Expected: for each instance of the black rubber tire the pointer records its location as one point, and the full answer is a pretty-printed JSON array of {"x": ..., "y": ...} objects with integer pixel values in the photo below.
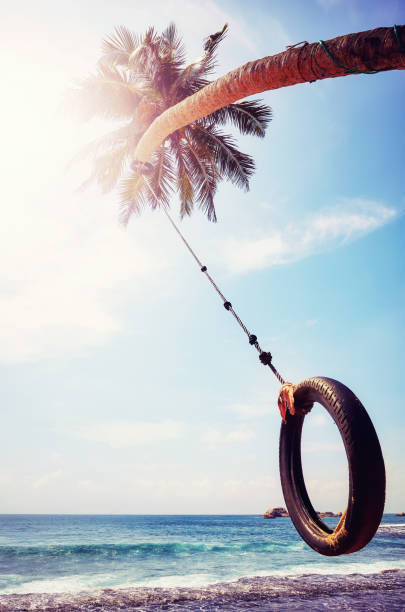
[{"x": 366, "y": 470}]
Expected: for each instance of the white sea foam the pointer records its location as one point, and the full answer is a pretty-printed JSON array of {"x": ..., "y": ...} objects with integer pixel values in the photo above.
[
  {"x": 334, "y": 569},
  {"x": 298, "y": 594},
  {"x": 65, "y": 584},
  {"x": 173, "y": 581},
  {"x": 78, "y": 583}
]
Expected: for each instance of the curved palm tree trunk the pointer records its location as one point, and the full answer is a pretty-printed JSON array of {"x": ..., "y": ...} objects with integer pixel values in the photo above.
[{"x": 373, "y": 50}]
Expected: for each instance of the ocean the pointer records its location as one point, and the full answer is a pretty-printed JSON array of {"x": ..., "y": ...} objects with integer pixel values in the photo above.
[{"x": 97, "y": 562}]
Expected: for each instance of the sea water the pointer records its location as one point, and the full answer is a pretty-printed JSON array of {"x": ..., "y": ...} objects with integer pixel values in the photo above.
[{"x": 138, "y": 557}]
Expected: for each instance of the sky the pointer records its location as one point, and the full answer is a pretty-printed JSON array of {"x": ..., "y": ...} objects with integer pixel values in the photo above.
[{"x": 125, "y": 385}]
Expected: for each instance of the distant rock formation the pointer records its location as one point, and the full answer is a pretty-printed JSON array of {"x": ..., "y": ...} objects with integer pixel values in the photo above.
[
  {"x": 275, "y": 512},
  {"x": 272, "y": 513},
  {"x": 400, "y": 514}
]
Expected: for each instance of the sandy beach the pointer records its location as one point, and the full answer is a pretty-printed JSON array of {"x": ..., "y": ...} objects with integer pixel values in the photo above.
[{"x": 382, "y": 591}]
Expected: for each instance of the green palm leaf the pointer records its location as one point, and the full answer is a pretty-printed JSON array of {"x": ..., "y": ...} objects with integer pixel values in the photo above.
[
  {"x": 109, "y": 142},
  {"x": 232, "y": 163},
  {"x": 202, "y": 173},
  {"x": 249, "y": 116},
  {"x": 132, "y": 197},
  {"x": 138, "y": 77},
  {"x": 123, "y": 42},
  {"x": 184, "y": 185},
  {"x": 107, "y": 93},
  {"x": 162, "y": 178}
]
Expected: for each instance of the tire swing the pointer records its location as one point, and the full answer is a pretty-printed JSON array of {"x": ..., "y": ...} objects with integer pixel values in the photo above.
[
  {"x": 363, "y": 514},
  {"x": 361, "y": 519}
]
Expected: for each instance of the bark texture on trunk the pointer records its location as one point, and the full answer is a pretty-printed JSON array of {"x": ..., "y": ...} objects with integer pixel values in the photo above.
[{"x": 376, "y": 49}]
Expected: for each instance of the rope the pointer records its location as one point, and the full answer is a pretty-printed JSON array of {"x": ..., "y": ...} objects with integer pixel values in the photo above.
[
  {"x": 354, "y": 70},
  {"x": 399, "y": 41},
  {"x": 264, "y": 357},
  {"x": 145, "y": 168},
  {"x": 333, "y": 58}
]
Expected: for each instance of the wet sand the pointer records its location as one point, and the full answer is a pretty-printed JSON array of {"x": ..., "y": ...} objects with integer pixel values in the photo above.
[{"x": 376, "y": 592}]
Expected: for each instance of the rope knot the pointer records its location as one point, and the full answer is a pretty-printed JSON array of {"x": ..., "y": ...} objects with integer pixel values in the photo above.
[{"x": 265, "y": 358}]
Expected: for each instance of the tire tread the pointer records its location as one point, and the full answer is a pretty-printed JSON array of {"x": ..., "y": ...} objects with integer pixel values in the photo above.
[{"x": 366, "y": 470}]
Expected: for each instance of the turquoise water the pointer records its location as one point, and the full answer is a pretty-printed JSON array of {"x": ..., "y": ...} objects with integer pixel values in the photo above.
[
  {"x": 88, "y": 563},
  {"x": 60, "y": 553}
]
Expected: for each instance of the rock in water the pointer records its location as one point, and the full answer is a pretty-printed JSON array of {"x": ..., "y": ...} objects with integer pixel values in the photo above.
[{"x": 275, "y": 512}]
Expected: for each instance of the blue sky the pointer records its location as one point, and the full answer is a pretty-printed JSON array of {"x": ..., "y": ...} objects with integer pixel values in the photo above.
[{"x": 126, "y": 387}]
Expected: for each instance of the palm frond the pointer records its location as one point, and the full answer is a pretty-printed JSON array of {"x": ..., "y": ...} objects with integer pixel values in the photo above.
[
  {"x": 202, "y": 173},
  {"x": 162, "y": 178},
  {"x": 108, "y": 168},
  {"x": 173, "y": 44},
  {"x": 123, "y": 42},
  {"x": 188, "y": 81},
  {"x": 138, "y": 191},
  {"x": 232, "y": 163},
  {"x": 210, "y": 48},
  {"x": 165, "y": 59},
  {"x": 114, "y": 58},
  {"x": 249, "y": 116},
  {"x": 212, "y": 41},
  {"x": 148, "y": 58},
  {"x": 111, "y": 154},
  {"x": 107, "y": 93},
  {"x": 137, "y": 78},
  {"x": 133, "y": 197},
  {"x": 191, "y": 78},
  {"x": 109, "y": 142},
  {"x": 184, "y": 185}
]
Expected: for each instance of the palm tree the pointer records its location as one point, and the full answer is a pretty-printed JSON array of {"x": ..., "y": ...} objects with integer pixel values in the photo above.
[
  {"x": 367, "y": 52},
  {"x": 137, "y": 79}
]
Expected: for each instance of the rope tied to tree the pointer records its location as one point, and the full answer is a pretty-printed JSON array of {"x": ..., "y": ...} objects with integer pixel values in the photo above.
[
  {"x": 399, "y": 41},
  {"x": 354, "y": 70},
  {"x": 265, "y": 357},
  {"x": 146, "y": 169},
  {"x": 346, "y": 68}
]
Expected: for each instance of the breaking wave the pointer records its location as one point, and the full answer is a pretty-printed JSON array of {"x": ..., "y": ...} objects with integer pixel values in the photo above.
[
  {"x": 312, "y": 592},
  {"x": 143, "y": 549}
]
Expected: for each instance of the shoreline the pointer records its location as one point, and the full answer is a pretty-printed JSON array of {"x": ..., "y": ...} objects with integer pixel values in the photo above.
[{"x": 308, "y": 591}]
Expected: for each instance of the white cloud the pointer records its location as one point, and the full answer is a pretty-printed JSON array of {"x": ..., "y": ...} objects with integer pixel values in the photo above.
[
  {"x": 65, "y": 293},
  {"x": 214, "y": 437},
  {"x": 311, "y": 322},
  {"x": 240, "y": 435},
  {"x": 262, "y": 482},
  {"x": 319, "y": 420},
  {"x": 120, "y": 434},
  {"x": 323, "y": 231},
  {"x": 251, "y": 411},
  {"x": 322, "y": 447},
  {"x": 69, "y": 270},
  {"x": 46, "y": 479},
  {"x": 6, "y": 477},
  {"x": 202, "y": 484},
  {"x": 211, "y": 16},
  {"x": 67, "y": 267}
]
